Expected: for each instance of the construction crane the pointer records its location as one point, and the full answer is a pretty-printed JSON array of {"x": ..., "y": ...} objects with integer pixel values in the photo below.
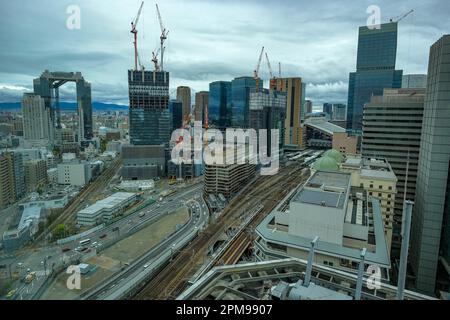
[
  {"x": 272, "y": 77},
  {"x": 162, "y": 37},
  {"x": 400, "y": 18},
  {"x": 135, "y": 32},
  {"x": 155, "y": 59},
  {"x": 256, "y": 71}
]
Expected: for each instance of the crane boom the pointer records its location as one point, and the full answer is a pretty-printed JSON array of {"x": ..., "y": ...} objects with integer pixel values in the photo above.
[
  {"x": 256, "y": 71},
  {"x": 162, "y": 37},
  {"x": 135, "y": 32},
  {"x": 397, "y": 19},
  {"x": 268, "y": 64}
]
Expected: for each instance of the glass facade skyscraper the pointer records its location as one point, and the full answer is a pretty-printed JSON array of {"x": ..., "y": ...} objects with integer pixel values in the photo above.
[
  {"x": 375, "y": 70},
  {"x": 176, "y": 111},
  {"x": 150, "y": 119},
  {"x": 240, "y": 93},
  {"x": 218, "y": 104}
]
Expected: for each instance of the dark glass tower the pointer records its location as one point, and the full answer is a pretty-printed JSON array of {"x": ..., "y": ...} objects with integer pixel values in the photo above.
[
  {"x": 218, "y": 105},
  {"x": 176, "y": 111},
  {"x": 375, "y": 70},
  {"x": 240, "y": 92},
  {"x": 150, "y": 119}
]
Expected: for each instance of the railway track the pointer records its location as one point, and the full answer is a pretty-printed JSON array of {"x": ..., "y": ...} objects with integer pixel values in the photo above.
[
  {"x": 68, "y": 215},
  {"x": 172, "y": 280}
]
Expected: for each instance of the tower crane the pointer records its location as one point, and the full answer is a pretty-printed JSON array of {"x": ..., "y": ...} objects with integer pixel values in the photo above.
[
  {"x": 135, "y": 32},
  {"x": 256, "y": 71},
  {"x": 400, "y": 18},
  {"x": 155, "y": 59},
  {"x": 162, "y": 37},
  {"x": 272, "y": 77}
]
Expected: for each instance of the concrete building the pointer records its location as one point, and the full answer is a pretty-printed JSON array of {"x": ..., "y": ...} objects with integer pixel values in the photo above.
[
  {"x": 345, "y": 218},
  {"x": 47, "y": 86},
  {"x": 430, "y": 233},
  {"x": 328, "y": 110},
  {"x": 35, "y": 174},
  {"x": 378, "y": 179},
  {"x": 37, "y": 121},
  {"x": 344, "y": 143},
  {"x": 295, "y": 113},
  {"x": 149, "y": 115},
  {"x": 201, "y": 106},
  {"x": 74, "y": 173},
  {"x": 228, "y": 179},
  {"x": 143, "y": 162},
  {"x": 105, "y": 209},
  {"x": 184, "y": 96},
  {"x": 414, "y": 81},
  {"x": 21, "y": 232},
  {"x": 392, "y": 125},
  {"x": 7, "y": 192},
  {"x": 283, "y": 279}
]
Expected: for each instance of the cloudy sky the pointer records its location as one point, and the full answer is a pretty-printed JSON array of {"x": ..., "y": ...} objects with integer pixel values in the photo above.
[{"x": 208, "y": 41}]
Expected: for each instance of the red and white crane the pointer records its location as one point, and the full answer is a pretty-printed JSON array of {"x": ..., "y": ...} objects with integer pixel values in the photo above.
[
  {"x": 256, "y": 71},
  {"x": 162, "y": 37},
  {"x": 135, "y": 32}
]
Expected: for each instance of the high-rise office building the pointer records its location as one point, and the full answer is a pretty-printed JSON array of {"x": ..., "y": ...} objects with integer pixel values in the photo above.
[
  {"x": 295, "y": 113},
  {"x": 19, "y": 174},
  {"x": 308, "y": 106},
  {"x": 37, "y": 120},
  {"x": 414, "y": 81},
  {"x": 150, "y": 119},
  {"x": 35, "y": 174},
  {"x": 375, "y": 70},
  {"x": 267, "y": 111},
  {"x": 176, "y": 111},
  {"x": 339, "y": 112},
  {"x": 430, "y": 231},
  {"x": 328, "y": 110},
  {"x": 240, "y": 93},
  {"x": 12, "y": 183},
  {"x": 218, "y": 104},
  {"x": 201, "y": 105},
  {"x": 184, "y": 96},
  {"x": 392, "y": 125}
]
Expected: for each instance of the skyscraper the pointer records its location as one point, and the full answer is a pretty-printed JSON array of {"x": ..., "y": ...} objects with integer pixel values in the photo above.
[
  {"x": 201, "y": 104},
  {"x": 295, "y": 113},
  {"x": 150, "y": 119},
  {"x": 339, "y": 111},
  {"x": 375, "y": 70},
  {"x": 37, "y": 120},
  {"x": 267, "y": 111},
  {"x": 240, "y": 93},
  {"x": 308, "y": 106},
  {"x": 176, "y": 111},
  {"x": 218, "y": 104},
  {"x": 430, "y": 232},
  {"x": 392, "y": 125},
  {"x": 184, "y": 96},
  {"x": 328, "y": 110}
]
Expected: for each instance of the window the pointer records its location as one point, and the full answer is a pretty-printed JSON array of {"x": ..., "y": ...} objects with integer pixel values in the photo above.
[
  {"x": 380, "y": 187},
  {"x": 389, "y": 196},
  {"x": 371, "y": 186},
  {"x": 390, "y": 187},
  {"x": 379, "y": 194}
]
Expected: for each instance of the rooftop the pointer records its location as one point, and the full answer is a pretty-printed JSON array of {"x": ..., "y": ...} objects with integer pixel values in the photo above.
[{"x": 108, "y": 203}]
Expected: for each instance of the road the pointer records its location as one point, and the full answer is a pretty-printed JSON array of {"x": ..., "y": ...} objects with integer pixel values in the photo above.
[
  {"x": 43, "y": 260},
  {"x": 125, "y": 282}
]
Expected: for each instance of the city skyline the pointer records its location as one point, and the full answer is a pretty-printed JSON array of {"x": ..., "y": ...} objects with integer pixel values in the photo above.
[{"x": 322, "y": 58}]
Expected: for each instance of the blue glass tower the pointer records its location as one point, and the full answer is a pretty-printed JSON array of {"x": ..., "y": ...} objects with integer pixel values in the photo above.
[
  {"x": 218, "y": 104},
  {"x": 240, "y": 93},
  {"x": 176, "y": 110},
  {"x": 375, "y": 70}
]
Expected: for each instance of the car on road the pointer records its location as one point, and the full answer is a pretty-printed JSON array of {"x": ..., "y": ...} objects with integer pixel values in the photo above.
[
  {"x": 65, "y": 249},
  {"x": 103, "y": 236},
  {"x": 94, "y": 244},
  {"x": 145, "y": 266},
  {"x": 10, "y": 294},
  {"x": 142, "y": 214}
]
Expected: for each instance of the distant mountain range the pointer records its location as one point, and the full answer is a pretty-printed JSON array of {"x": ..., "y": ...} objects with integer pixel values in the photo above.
[{"x": 69, "y": 106}]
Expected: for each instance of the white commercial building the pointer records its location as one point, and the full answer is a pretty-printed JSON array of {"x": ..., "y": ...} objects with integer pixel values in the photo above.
[
  {"x": 105, "y": 209},
  {"x": 74, "y": 173},
  {"x": 37, "y": 124}
]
